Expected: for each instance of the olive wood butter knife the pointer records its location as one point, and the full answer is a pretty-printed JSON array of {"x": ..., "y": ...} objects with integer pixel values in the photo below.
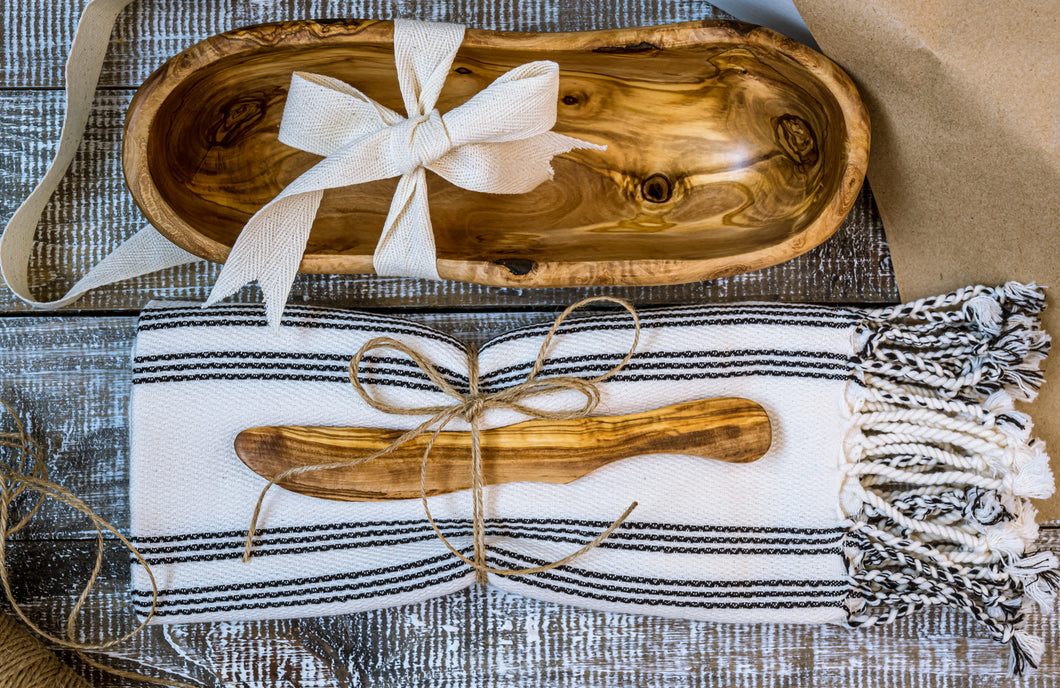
[{"x": 552, "y": 451}]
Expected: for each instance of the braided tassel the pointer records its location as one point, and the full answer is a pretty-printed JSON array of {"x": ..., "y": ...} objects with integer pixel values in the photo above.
[{"x": 939, "y": 465}]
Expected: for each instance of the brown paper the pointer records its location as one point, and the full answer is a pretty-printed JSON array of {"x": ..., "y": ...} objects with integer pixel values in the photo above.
[{"x": 965, "y": 163}]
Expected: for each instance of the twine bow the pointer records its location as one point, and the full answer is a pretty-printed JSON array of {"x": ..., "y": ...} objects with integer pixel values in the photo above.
[
  {"x": 497, "y": 142},
  {"x": 471, "y": 407}
]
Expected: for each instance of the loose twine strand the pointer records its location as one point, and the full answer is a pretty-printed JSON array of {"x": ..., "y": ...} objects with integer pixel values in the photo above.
[
  {"x": 25, "y": 660},
  {"x": 471, "y": 407}
]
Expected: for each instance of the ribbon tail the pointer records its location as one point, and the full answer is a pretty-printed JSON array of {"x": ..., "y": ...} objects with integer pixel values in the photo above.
[
  {"x": 269, "y": 250},
  {"x": 406, "y": 246}
]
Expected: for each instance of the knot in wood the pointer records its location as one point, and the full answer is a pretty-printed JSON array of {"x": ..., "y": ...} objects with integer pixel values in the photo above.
[
  {"x": 419, "y": 141},
  {"x": 657, "y": 189}
]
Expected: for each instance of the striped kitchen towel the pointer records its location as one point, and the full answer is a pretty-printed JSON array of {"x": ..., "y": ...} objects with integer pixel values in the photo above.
[{"x": 898, "y": 476}]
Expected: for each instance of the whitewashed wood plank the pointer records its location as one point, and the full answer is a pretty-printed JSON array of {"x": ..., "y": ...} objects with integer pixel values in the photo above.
[
  {"x": 69, "y": 381},
  {"x": 482, "y": 637},
  {"x": 60, "y": 566},
  {"x": 92, "y": 212},
  {"x": 35, "y": 34}
]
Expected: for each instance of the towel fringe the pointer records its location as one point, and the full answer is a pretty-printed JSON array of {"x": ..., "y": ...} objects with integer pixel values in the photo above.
[{"x": 939, "y": 466}]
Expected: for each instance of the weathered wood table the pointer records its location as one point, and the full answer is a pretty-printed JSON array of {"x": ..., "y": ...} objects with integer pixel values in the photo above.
[{"x": 68, "y": 374}]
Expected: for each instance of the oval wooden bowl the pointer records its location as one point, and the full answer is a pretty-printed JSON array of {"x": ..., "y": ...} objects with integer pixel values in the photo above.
[{"x": 730, "y": 148}]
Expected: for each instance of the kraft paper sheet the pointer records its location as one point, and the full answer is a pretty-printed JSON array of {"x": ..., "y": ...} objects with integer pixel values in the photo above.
[{"x": 965, "y": 163}]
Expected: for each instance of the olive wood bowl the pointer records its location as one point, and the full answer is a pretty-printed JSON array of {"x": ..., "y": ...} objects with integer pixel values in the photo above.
[{"x": 729, "y": 148}]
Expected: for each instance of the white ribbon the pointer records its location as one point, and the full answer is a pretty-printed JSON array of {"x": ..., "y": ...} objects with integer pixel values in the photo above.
[
  {"x": 146, "y": 251},
  {"x": 497, "y": 142}
]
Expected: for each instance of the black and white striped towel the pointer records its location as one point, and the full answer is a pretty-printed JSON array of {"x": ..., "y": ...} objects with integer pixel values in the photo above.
[{"x": 816, "y": 531}]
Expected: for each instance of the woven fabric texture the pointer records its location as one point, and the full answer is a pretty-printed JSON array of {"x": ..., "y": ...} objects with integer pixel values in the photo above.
[{"x": 709, "y": 540}]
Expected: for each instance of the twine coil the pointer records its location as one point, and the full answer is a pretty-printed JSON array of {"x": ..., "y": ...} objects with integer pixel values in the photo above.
[
  {"x": 26, "y": 663},
  {"x": 471, "y": 407}
]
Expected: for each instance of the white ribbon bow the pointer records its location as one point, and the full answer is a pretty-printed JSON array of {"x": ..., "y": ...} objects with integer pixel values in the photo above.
[{"x": 497, "y": 142}]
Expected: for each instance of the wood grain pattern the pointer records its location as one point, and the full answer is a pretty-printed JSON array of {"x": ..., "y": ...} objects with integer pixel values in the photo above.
[
  {"x": 92, "y": 213},
  {"x": 540, "y": 450},
  {"x": 729, "y": 148}
]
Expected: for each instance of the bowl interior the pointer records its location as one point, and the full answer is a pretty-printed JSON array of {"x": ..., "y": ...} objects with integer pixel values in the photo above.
[{"x": 713, "y": 150}]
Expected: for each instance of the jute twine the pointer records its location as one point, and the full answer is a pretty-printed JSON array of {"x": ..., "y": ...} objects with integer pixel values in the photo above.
[
  {"x": 26, "y": 663},
  {"x": 24, "y": 660},
  {"x": 471, "y": 407}
]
